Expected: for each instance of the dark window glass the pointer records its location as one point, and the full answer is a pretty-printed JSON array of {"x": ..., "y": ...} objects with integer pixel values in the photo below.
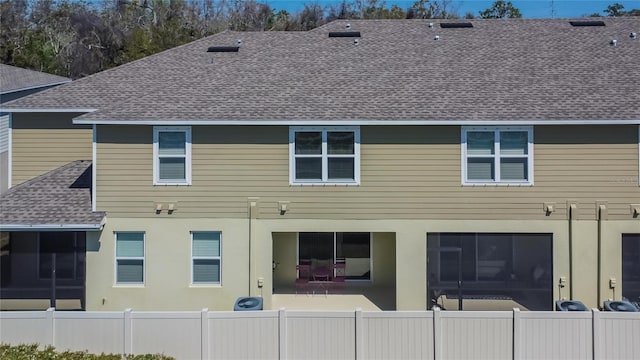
[
  {"x": 308, "y": 168},
  {"x": 494, "y": 266},
  {"x": 308, "y": 143},
  {"x": 631, "y": 267}
]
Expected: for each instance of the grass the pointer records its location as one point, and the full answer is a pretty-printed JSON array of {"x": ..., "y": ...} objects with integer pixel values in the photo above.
[{"x": 34, "y": 352}]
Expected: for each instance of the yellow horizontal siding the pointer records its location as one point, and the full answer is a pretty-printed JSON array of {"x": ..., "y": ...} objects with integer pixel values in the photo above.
[
  {"x": 42, "y": 142},
  {"x": 406, "y": 173}
]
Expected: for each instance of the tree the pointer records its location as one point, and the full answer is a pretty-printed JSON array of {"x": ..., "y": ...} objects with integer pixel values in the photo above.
[
  {"x": 501, "y": 10},
  {"x": 432, "y": 9},
  {"x": 615, "y": 10}
]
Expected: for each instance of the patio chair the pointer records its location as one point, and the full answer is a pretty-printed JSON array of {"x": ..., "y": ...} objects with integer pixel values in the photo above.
[
  {"x": 337, "y": 283},
  {"x": 302, "y": 280}
]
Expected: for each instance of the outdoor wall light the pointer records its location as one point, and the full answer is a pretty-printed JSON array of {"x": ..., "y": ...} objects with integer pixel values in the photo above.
[{"x": 283, "y": 207}]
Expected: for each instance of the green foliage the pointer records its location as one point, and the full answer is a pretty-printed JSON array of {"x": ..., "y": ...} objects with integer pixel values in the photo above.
[
  {"x": 32, "y": 352},
  {"x": 617, "y": 9},
  {"x": 614, "y": 10},
  {"x": 501, "y": 10}
]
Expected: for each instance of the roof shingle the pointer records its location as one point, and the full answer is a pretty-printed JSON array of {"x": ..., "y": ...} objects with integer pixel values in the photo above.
[
  {"x": 16, "y": 79},
  {"x": 58, "y": 199},
  {"x": 519, "y": 69}
]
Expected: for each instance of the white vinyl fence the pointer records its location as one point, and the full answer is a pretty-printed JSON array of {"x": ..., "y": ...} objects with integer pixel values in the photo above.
[{"x": 334, "y": 334}]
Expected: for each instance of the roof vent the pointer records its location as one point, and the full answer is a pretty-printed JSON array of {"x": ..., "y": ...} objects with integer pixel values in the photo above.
[
  {"x": 633, "y": 35},
  {"x": 430, "y": 25},
  {"x": 613, "y": 42},
  {"x": 344, "y": 34},
  {"x": 456, "y": 25},
  {"x": 348, "y": 26},
  {"x": 239, "y": 42},
  {"x": 587, "y": 23},
  {"x": 436, "y": 38},
  {"x": 356, "y": 41},
  {"x": 223, "y": 49}
]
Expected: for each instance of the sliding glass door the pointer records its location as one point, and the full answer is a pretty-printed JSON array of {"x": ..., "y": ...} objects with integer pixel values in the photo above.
[{"x": 322, "y": 250}]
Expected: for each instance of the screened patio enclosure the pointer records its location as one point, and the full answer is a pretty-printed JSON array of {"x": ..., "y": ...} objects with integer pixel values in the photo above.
[
  {"x": 490, "y": 267},
  {"x": 48, "y": 266},
  {"x": 631, "y": 267}
]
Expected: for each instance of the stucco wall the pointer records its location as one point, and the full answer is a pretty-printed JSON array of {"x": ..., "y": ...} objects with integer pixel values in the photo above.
[{"x": 399, "y": 257}]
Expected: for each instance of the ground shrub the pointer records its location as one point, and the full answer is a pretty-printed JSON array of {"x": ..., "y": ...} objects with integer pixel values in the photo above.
[{"x": 33, "y": 352}]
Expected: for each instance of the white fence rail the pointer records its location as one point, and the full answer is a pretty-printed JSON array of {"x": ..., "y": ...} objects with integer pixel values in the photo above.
[{"x": 334, "y": 334}]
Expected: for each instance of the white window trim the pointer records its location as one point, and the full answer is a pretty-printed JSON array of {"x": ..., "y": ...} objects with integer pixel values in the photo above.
[
  {"x": 116, "y": 258},
  {"x": 325, "y": 156},
  {"x": 219, "y": 258},
  {"x": 496, "y": 130},
  {"x": 156, "y": 155}
]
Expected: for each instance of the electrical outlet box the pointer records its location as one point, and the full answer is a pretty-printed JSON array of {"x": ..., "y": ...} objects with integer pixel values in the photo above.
[
  {"x": 260, "y": 282},
  {"x": 612, "y": 283},
  {"x": 563, "y": 281}
]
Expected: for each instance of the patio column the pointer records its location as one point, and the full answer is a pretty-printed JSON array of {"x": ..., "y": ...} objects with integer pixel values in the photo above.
[{"x": 411, "y": 268}]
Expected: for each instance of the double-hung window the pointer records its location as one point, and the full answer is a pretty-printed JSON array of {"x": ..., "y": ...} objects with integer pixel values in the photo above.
[
  {"x": 205, "y": 257},
  {"x": 322, "y": 156},
  {"x": 130, "y": 258},
  {"x": 172, "y": 155},
  {"x": 497, "y": 155}
]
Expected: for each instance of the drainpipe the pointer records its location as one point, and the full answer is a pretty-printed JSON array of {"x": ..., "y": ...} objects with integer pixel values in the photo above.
[
  {"x": 252, "y": 204},
  {"x": 601, "y": 214},
  {"x": 572, "y": 208}
]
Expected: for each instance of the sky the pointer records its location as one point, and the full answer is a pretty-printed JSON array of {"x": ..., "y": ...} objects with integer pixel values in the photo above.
[{"x": 528, "y": 8}]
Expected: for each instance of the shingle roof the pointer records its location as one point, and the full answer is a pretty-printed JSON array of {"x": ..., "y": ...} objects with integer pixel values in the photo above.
[
  {"x": 516, "y": 70},
  {"x": 16, "y": 79},
  {"x": 58, "y": 199}
]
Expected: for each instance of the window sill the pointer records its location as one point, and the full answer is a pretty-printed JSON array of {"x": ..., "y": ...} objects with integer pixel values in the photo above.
[
  {"x": 324, "y": 183},
  {"x": 518, "y": 184},
  {"x": 171, "y": 184},
  {"x": 211, "y": 285},
  {"x": 138, "y": 286}
]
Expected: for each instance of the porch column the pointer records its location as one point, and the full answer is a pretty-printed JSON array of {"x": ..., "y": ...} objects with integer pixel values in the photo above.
[{"x": 411, "y": 268}]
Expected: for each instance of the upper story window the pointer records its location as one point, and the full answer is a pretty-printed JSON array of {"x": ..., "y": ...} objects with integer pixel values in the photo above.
[
  {"x": 497, "y": 155},
  {"x": 321, "y": 155},
  {"x": 172, "y": 155}
]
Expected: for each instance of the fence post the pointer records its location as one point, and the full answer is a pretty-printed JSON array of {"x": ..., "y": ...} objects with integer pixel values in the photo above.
[
  {"x": 596, "y": 336},
  {"x": 51, "y": 327},
  {"x": 204, "y": 334},
  {"x": 517, "y": 340},
  {"x": 128, "y": 336},
  {"x": 359, "y": 335},
  {"x": 282, "y": 334},
  {"x": 437, "y": 333}
]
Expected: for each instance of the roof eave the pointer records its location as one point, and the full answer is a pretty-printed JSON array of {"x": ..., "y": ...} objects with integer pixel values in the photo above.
[
  {"x": 34, "y": 87},
  {"x": 358, "y": 122},
  {"x": 51, "y": 227},
  {"x": 47, "y": 110}
]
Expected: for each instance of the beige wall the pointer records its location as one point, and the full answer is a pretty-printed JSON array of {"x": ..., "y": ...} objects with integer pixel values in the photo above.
[
  {"x": 42, "y": 142},
  {"x": 167, "y": 266},
  {"x": 399, "y": 258},
  {"x": 410, "y": 172},
  {"x": 4, "y": 171}
]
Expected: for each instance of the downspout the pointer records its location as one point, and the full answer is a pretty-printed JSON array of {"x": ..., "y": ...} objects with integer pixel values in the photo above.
[
  {"x": 572, "y": 214},
  {"x": 252, "y": 204},
  {"x": 602, "y": 213}
]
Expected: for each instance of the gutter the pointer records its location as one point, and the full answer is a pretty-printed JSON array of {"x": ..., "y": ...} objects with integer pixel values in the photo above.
[
  {"x": 51, "y": 227},
  {"x": 35, "y": 87},
  {"x": 338, "y": 122},
  {"x": 48, "y": 110}
]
